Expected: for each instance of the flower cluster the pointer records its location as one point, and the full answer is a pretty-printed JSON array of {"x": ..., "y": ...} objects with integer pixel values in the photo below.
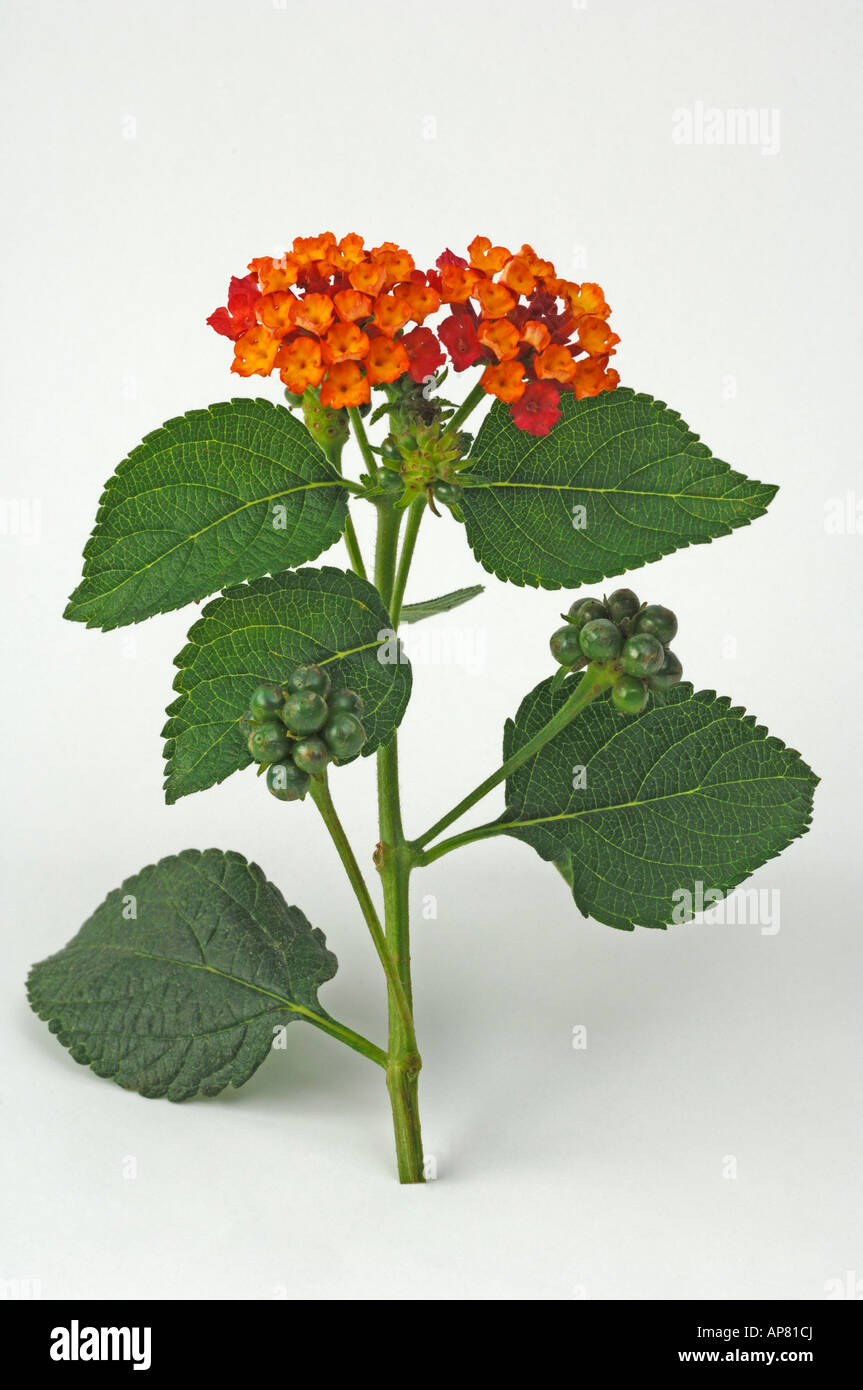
[
  {"x": 544, "y": 335},
  {"x": 336, "y": 316}
]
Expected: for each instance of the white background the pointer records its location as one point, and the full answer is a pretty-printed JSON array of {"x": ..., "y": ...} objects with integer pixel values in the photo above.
[{"x": 151, "y": 149}]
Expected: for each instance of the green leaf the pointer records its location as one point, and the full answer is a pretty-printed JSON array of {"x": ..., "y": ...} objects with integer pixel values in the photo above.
[
  {"x": 646, "y": 483},
  {"x": 692, "y": 790},
  {"x": 415, "y": 612},
  {"x": 257, "y": 633},
  {"x": 233, "y": 492},
  {"x": 177, "y": 983}
]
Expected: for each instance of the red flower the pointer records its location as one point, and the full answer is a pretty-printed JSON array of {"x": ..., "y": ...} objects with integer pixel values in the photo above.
[
  {"x": 239, "y": 316},
  {"x": 538, "y": 409},
  {"x": 450, "y": 258},
  {"x": 458, "y": 335},
  {"x": 424, "y": 352}
]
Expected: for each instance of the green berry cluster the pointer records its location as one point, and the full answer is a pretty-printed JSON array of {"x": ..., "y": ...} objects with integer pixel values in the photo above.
[
  {"x": 296, "y": 729},
  {"x": 633, "y": 636}
]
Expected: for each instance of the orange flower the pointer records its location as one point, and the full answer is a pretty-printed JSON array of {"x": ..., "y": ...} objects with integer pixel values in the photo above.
[
  {"x": 517, "y": 276},
  {"x": 504, "y": 380},
  {"x": 351, "y": 250},
  {"x": 396, "y": 262},
  {"x": 555, "y": 363},
  {"x": 485, "y": 257},
  {"x": 595, "y": 336},
  {"x": 457, "y": 283},
  {"x": 307, "y": 249},
  {"x": 314, "y": 313},
  {"x": 543, "y": 270},
  {"x": 495, "y": 300},
  {"x": 423, "y": 300},
  {"x": 276, "y": 311},
  {"x": 536, "y": 335},
  {"x": 300, "y": 364},
  {"x": 387, "y": 360},
  {"x": 345, "y": 342},
  {"x": 368, "y": 278},
  {"x": 589, "y": 299},
  {"x": 255, "y": 352},
  {"x": 275, "y": 275},
  {"x": 391, "y": 314},
  {"x": 351, "y": 305},
  {"x": 344, "y": 386},
  {"x": 591, "y": 377},
  {"x": 501, "y": 336}
]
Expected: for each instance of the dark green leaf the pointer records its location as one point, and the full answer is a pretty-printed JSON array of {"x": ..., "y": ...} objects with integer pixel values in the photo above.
[
  {"x": 415, "y": 612},
  {"x": 256, "y": 634},
  {"x": 178, "y": 982},
  {"x": 692, "y": 790},
  {"x": 214, "y": 497},
  {"x": 645, "y": 482}
]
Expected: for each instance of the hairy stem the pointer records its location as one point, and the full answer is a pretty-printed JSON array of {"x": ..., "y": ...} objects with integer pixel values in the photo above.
[
  {"x": 394, "y": 865},
  {"x": 354, "y": 553},
  {"x": 415, "y": 516},
  {"x": 596, "y": 678},
  {"x": 356, "y": 420},
  {"x": 320, "y": 793},
  {"x": 343, "y": 1034}
]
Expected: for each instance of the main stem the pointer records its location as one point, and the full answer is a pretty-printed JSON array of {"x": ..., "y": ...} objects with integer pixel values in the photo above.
[{"x": 394, "y": 865}]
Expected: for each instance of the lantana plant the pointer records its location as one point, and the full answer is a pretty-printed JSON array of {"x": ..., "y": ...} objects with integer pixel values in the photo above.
[{"x": 184, "y": 977}]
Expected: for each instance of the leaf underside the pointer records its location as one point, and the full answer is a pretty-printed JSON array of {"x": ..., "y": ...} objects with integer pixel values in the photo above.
[
  {"x": 647, "y": 485},
  {"x": 258, "y": 633},
  {"x": 183, "y": 997},
  {"x": 229, "y": 493},
  {"x": 430, "y": 608},
  {"x": 692, "y": 790}
]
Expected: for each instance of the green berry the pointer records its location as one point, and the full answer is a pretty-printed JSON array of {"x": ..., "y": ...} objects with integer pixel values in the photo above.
[
  {"x": 585, "y": 610},
  {"x": 269, "y": 743},
  {"x": 345, "y": 735},
  {"x": 629, "y": 695},
  {"x": 668, "y": 674},
  {"x": 287, "y": 782},
  {"x": 346, "y": 702},
  {"x": 308, "y": 678},
  {"x": 660, "y": 622},
  {"x": 623, "y": 603},
  {"x": 305, "y": 712},
  {"x": 391, "y": 451},
  {"x": 642, "y": 655},
  {"x": 447, "y": 492},
  {"x": 265, "y": 703},
  {"x": 311, "y": 755},
  {"x": 564, "y": 645},
  {"x": 389, "y": 481},
  {"x": 600, "y": 640},
  {"x": 293, "y": 399}
]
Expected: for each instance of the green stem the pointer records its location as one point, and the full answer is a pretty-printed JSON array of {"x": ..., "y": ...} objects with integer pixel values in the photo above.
[
  {"x": 470, "y": 403},
  {"x": 320, "y": 793},
  {"x": 354, "y": 553},
  {"x": 596, "y": 678},
  {"x": 389, "y": 522},
  {"x": 394, "y": 864},
  {"x": 356, "y": 420},
  {"x": 415, "y": 515},
  {"x": 345, "y": 1035},
  {"x": 420, "y": 858}
]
